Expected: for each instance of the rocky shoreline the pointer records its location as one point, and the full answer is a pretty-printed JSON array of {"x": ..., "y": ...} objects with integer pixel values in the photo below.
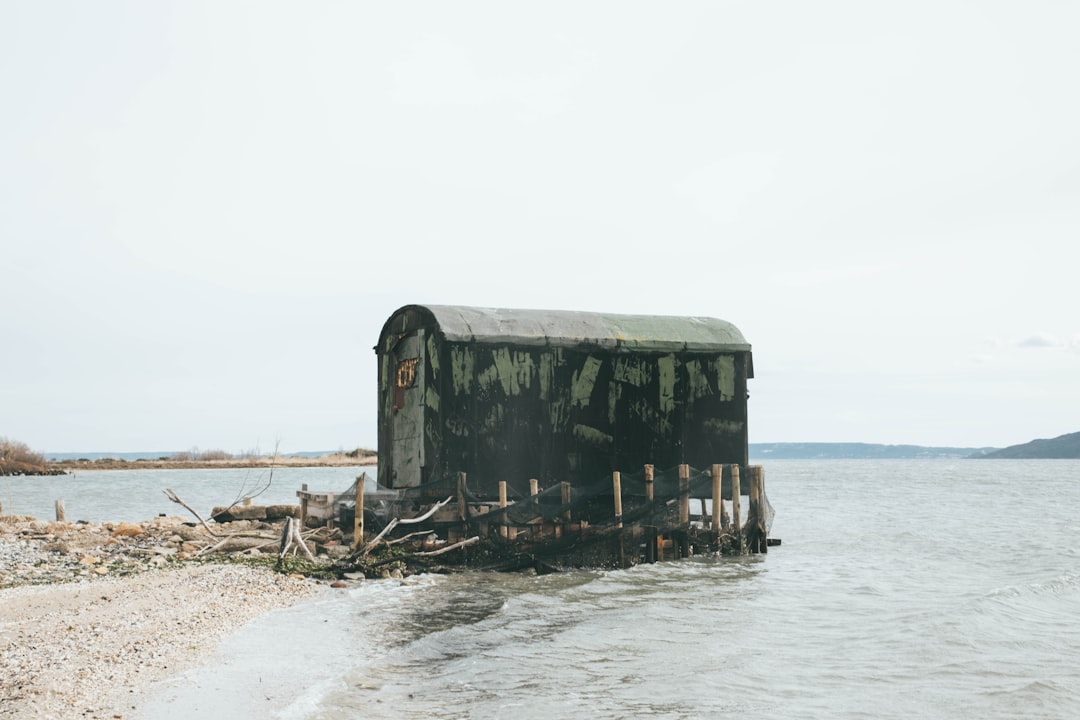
[{"x": 92, "y": 614}]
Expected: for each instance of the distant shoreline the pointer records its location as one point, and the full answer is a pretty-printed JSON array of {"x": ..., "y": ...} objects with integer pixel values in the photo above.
[{"x": 331, "y": 460}]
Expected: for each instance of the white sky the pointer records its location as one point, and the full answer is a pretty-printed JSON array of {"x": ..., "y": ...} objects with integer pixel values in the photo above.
[{"x": 207, "y": 210}]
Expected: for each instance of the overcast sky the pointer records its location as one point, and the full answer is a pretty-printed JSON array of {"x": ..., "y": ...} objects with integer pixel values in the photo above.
[{"x": 207, "y": 210}]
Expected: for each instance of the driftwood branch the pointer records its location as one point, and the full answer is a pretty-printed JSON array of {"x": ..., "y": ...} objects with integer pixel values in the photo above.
[
  {"x": 176, "y": 499},
  {"x": 403, "y": 538},
  {"x": 448, "y": 548},
  {"x": 290, "y": 535},
  {"x": 389, "y": 526},
  {"x": 434, "y": 509}
]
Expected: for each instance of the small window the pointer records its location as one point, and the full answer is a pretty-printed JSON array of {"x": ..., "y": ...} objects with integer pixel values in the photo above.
[{"x": 406, "y": 373}]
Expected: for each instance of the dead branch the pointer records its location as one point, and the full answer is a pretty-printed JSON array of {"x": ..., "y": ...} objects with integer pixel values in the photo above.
[
  {"x": 173, "y": 496},
  {"x": 389, "y": 526},
  {"x": 434, "y": 509},
  {"x": 290, "y": 535},
  {"x": 403, "y": 538},
  {"x": 448, "y": 548}
]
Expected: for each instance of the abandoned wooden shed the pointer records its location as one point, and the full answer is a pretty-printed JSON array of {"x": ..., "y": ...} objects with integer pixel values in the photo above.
[{"x": 559, "y": 396}]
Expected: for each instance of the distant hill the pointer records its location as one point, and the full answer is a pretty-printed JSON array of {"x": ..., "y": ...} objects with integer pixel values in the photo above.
[
  {"x": 1063, "y": 446},
  {"x": 858, "y": 451}
]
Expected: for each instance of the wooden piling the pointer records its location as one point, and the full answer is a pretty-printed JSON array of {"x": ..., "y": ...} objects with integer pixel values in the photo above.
[
  {"x": 684, "y": 511},
  {"x": 756, "y": 522},
  {"x": 616, "y": 490},
  {"x": 60, "y": 515},
  {"x": 566, "y": 496},
  {"x": 303, "y": 507},
  {"x": 463, "y": 508},
  {"x": 717, "y": 497},
  {"x": 736, "y": 501},
  {"x": 684, "y": 495},
  {"x": 538, "y": 524},
  {"x": 502, "y": 506},
  {"x": 358, "y": 518},
  {"x": 650, "y": 532}
]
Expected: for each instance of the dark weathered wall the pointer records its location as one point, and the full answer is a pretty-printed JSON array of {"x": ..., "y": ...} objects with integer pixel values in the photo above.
[
  {"x": 564, "y": 414},
  {"x": 558, "y": 413}
]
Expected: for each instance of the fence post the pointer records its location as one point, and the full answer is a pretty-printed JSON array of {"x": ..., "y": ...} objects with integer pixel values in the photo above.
[
  {"x": 534, "y": 491},
  {"x": 358, "y": 519},
  {"x": 717, "y": 498},
  {"x": 736, "y": 501},
  {"x": 502, "y": 506},
  {"x": 616, "y": 490},
  {"x": 756, "y": 521},
  {"x": 650, "y": 530},
  {"x": 60, "y": 516},
  {"x": 684, "y": 510}
]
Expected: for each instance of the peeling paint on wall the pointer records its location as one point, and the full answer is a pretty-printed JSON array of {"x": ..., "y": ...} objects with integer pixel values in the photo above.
[
  {"x": 722, "y": 427},
  {"x": 433, "y": 357},
  {"x": 549, "y": 361},
  {"x": 559, "y": 414},
  {"x": 456, "y": 427},
  {"x": 461, "y": 368},
  {"x": 592, "y": 435},
  {"x": 725, "y": 376},
  {"x": 614, "y": 393},
  {"x": 584, "y": 380},
  {"x": 431, "y": 399},
  {"x": 666, "y": 371},
  {"x": 494, "y": 420},
  {"x": 514, "y": 370},
  {"x": 697, "y": 381},
  {"x": 633, "y": 371}
]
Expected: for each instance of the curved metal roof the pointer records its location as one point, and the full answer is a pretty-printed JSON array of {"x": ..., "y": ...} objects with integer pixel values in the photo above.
[{"x": 565, "y": 328}]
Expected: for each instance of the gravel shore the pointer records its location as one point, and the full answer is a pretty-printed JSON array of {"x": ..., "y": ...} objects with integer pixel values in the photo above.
[{"x": 85, "y": 628}]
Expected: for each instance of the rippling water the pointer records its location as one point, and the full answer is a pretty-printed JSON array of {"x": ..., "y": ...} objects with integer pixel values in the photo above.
[
  {"x": 934, "y": 589},
  {"x": 135, "y": 495}
]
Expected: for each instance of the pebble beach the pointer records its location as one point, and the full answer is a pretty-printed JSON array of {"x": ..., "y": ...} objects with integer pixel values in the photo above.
[{"x": 92, "y": 615}]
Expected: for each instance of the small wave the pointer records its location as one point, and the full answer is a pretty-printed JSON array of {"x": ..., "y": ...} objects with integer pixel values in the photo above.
[{"x": 1060, "y": 585}]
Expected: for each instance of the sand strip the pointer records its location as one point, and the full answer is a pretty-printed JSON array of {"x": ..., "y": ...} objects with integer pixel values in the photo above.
[{"x": 89, "y": 649}]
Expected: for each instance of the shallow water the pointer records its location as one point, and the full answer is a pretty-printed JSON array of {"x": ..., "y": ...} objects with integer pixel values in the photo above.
[
  {"x": 136, "y": 495},
  {"x": 930, "y": 589}
]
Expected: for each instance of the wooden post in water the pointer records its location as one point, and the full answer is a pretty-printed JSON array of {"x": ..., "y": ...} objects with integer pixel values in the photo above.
[
  {"x": 463, "y": 508},
  {"x": 758, "y": 533},
  {"x": 566, "y": 497},
  {"x": 502, "y": 506},
  {"x": 303, "y": 508},
  {"x": 650, "y": 530},
  {"x": 736, "y": 501},
  {"x": 60, "y": 516},
  {"x": 684, "y": 495},
  {"x": 358, "y": 517},
  {"x": 717, "y": 498},
  {"x": 534, "y": 491},
  {"x": 684, "y": 510},
  {"x": 616, "y": 490}
]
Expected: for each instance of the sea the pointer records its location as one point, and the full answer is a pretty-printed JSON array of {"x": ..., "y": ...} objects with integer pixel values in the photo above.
[{"x": 902, "y": 589}]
